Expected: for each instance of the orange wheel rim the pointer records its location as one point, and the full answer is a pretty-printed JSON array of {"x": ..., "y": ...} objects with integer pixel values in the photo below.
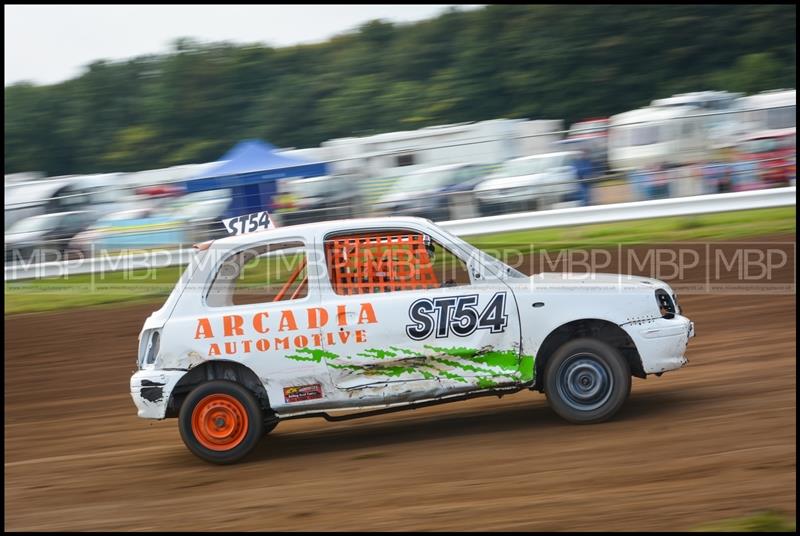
[{"x": 219, "y": 422}]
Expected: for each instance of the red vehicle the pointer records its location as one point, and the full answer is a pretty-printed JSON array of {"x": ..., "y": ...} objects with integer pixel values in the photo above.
[{"x": 773, "y": 154}]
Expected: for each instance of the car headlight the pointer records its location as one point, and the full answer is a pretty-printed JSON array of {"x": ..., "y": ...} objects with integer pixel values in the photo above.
[
  {"x": 666, "y": 305},
  {"x": 678, "y": 308}
]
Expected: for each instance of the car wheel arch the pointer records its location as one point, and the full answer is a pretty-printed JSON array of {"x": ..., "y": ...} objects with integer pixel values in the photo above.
[
  {"x": 218, "y": 369},
  {"x": 603, "y": 330}
]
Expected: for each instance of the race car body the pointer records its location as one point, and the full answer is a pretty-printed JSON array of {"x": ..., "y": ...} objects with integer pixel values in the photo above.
[{"x": 374, "y": 315}]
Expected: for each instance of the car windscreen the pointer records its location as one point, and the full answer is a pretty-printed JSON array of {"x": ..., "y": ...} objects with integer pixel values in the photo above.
[
  {"x": 500, "y": 268},
  {"x": 540, "y": 164}
]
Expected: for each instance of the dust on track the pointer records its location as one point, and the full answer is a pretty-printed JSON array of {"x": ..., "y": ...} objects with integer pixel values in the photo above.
[{"x": 713, "y": 440}]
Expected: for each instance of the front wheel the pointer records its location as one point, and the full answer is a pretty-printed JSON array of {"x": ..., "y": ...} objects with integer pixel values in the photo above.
[
  {"x": 221, "y": 422},
  {"x": 587, "y": 381}
]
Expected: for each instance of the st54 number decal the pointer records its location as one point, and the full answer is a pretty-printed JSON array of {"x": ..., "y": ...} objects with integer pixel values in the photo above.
[
  {"x": 248, "y": 223},
  {"x": 457, "y": 314}
]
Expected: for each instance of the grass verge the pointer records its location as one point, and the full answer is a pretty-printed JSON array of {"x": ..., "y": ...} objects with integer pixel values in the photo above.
[{"x": 769, "y": 521}]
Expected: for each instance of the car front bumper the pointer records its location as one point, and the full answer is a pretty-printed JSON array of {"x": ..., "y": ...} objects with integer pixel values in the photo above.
[{"x": 661, "y": 342}]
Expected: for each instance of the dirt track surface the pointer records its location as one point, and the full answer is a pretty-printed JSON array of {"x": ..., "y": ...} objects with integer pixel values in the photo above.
[{"x": 714, "y": 440}]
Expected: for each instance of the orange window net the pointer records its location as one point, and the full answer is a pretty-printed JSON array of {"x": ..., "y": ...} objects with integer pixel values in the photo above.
[{"x": 367, "y": 264}]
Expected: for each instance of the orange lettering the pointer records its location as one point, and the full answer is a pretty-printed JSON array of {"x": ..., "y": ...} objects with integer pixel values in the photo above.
[
  {"x": 232, "y": 325},
  {"x": 214, "y": 349},
  {"x": 317, "y": 317},
  {"x": 203, "y": 329},
  {"x": 287, "y": 322},
  {"x": 367, "y": 314},
  {"x": 258, "y": 322}
]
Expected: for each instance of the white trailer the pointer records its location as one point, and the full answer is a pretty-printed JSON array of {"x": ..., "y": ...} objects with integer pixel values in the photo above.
[
  {"x": 682, "y": 129},
  {"x": 652, "y": 136},
  {"x": 485, "y": 142},
  {"x": 768, "y": 110}
]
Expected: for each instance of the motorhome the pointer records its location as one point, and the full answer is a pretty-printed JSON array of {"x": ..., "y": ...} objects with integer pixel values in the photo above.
[
  {"x": 673, "y": 131},
  {"x": 655, "y": 136},
  {"x": 768, "y": 110},
  {"x": 382, "y": 158}
]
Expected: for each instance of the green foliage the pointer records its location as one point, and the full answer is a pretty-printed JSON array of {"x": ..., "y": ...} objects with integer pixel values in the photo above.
[
  {"x": 751, "y": 72},
  {"x": 536, "y": 61}
]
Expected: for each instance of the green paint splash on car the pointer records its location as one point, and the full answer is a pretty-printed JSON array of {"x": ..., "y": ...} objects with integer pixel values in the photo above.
[{"x": 487, "y": 365}]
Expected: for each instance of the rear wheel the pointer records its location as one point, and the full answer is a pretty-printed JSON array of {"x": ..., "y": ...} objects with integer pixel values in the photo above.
[
  {"x": 221, "y": 422},
  {"x": 587, "y": 381}
]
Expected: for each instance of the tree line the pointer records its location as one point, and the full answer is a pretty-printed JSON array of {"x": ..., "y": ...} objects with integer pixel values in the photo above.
[{"x": 566, "y": 62}]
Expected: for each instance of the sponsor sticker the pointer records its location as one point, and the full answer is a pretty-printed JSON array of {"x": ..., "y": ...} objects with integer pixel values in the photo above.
[{"x": 298, "y": 393}]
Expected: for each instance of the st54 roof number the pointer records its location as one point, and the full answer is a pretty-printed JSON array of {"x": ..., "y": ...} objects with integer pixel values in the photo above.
[{"x": 248, "y": 223}]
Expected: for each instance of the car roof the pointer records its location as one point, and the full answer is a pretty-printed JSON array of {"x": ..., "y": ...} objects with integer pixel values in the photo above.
[
  {"x": 543, "y": 155},
  {"x": 61, "y": 214},
  {"x": 317, "y": 228},
  {"x": 443, "y": 167}
]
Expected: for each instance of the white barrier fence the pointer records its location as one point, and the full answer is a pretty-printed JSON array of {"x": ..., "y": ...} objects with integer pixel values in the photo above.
[
  {"x": 703, "y": 204},
  {"x": 682, "y": 206}
]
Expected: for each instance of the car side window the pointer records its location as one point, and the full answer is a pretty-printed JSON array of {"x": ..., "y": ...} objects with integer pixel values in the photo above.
[
  {"x": 261, "y": 274},
  {"x": 390, "y": 261},
  {"x": 462, "y": 175}
]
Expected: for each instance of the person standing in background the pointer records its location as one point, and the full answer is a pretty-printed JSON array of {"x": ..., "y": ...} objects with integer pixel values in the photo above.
[{"x": 584, "y": 169}]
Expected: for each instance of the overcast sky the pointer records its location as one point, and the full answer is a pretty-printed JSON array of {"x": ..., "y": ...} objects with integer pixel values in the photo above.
[{"x": 47, "y": 44}]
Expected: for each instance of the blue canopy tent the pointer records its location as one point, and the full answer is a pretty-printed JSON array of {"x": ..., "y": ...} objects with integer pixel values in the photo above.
[{"x": 251, "y": 170}]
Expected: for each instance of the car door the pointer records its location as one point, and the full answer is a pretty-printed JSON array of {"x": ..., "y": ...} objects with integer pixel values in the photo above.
[
  {"x": 413, "y": 322},
  {"x": 258, "y": 306}
]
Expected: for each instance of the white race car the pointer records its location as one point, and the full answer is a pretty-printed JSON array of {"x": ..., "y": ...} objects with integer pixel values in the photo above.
[{"x": 367, "y": 316}]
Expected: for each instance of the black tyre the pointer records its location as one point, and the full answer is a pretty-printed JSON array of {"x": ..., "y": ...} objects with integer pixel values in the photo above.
[
  {"x": 587, "y": 381},
  {"x": 221, "y": 422}
]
